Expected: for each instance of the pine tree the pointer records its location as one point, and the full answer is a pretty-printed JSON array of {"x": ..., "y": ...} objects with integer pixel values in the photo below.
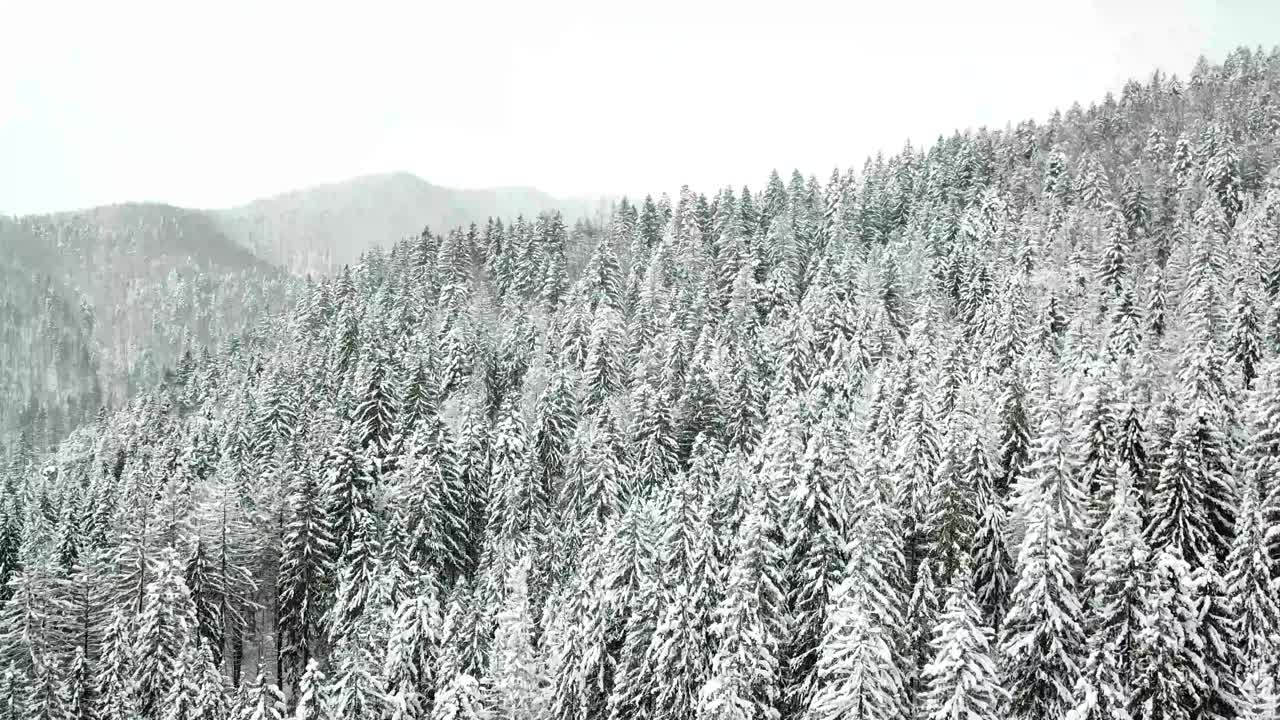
[
  {"x": 859, "y": 674},
  {"x": 375, "y": 416},
  {"x": 993, "y": 566},
  {"x": 460, "y": 699},
  {"x": 182, "y": 699},
  {"x": 745, "y": 671},
  {"x": 310, "y": 702},
  {"x": 1117, "y": 578},
  {"x": 1168, "y": 656},
  {"x": 166, "y": 629},
  {"x": 1244, "y": 341},
  {"x": 687, "y": 588},
  {"x": 814, "y": 551},
  {"x": 1258, "y": 697},
  {"x": 520, "y": 500},
  {"x": 1113, "y": 266},
  {"x": 581, "y": 663},
  {"x": 116, "y": 680},
  {"x": 1250, "y": 586},
  {"x": 355, "y": 691},
  {"x": 1041, "y": 638},
  {"x": 349, "y": 495},
  {"x": 412, "y": 649},
  {"x": 45, "y": 700},
  {"x": 962, "y": 680},
  {"x": 306, "y": 569},
  {"x": 260, "y": 700},
  {"x": 211, "y": 694},
  {"x": 517, "y": 681},
  {"x": 80, "y": 689},
  {"x": 1184, "y": 512}
]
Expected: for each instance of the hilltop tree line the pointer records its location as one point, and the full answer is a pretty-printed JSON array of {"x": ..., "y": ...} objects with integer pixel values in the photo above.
[{"x": 985, "y": 430}]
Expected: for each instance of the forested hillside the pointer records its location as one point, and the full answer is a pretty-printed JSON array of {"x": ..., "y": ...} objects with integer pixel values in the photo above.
[
  {"x": 97, "y": 303},
  {"x": 988, "y": 429}
]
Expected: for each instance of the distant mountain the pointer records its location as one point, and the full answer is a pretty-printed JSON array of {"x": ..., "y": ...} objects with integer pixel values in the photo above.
[
  {"x": 96, "y": 303},
  {"x": 319, "y": 228}
]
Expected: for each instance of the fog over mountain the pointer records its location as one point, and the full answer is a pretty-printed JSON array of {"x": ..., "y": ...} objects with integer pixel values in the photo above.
[{"x": 321, "y": 228}]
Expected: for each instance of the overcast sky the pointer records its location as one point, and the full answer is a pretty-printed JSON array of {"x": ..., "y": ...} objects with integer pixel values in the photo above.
[{"x": 213, "y": 104}]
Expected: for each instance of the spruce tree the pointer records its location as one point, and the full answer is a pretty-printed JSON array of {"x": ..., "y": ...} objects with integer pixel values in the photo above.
[
  {"x": 962, "y": 680},
  {"x": 744, "y": 675},
  {"x": 859, "y": 673},
  {"x": 166, "y": 630},
  {"x": 1169, "y": 659},
  {"x": 259, "y": 700},
  {"x": 460, "y": 699},
  {"x": 1251, "y": 587},
  {"x": 306, "y": 570},
  {"x": 309, "y": 699},
  {"x": 517, "y": 682},
  {"x": 1041, "y": 638}
]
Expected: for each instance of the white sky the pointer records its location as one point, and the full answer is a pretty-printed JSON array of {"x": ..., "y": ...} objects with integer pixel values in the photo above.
[{"x": 213, "y": 104}]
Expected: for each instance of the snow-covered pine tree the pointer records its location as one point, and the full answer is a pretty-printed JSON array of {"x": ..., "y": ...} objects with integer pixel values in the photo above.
[
  {"x": 310, "y": 702},
  {"x": 1258, "y": 697},
  {"x": 1251, "y": 587},
  {"x": 80, "y": 692},
  {"x": 306, "y": 571},
  {"x": 1169, "y": 658},
  {"x": 460, "y": 699},
  {"x": 962, "y": 680},
  {"x": 687, "y": 590},
  {"x": 744, "y": 677},
  {"x": 45, "y": 700},
  {"x": 1116, "y": 580},
  {"x": 814, "y": 550},
  {"x": 165, "y": 632},
  {"x": 260, "y": 699},
  {"x": 859, "y": 674},
  {"x": 413, "y": 647},
  {"x": 1041, "y": 638},
  {"x": 181, "y": 702},
  {"x": 115, "y": 677},
  {"x": 517, "y": 685}
]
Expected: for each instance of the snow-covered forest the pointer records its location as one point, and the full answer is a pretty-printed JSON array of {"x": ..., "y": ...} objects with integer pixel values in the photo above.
[{"x": 983, "y": 430}]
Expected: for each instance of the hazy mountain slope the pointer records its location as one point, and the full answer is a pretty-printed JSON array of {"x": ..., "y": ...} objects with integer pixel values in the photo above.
[
  {"x": 99, "y": 301},
  {"x": 47, "y": 364},
  {"x": 317, "y": 229}
]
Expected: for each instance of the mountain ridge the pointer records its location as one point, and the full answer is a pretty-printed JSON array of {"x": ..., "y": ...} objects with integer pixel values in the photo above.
[
  {"x": 321, "y": 227},
  {"x": 347, "y": 217}
]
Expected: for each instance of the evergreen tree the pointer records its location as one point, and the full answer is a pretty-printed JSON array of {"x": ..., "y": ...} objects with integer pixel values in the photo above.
[
  {"x": 80, "y": 690},
  {"x": 310, "y": 702},
  {"x": 858, "y": 672},
  {"x": 260, "y": 700},
  {"x": 116, "y": 680},
  {"x": 1169, "y": 657},
  {"x": 460, "y": 700},
  {"x": 166, "y": 629},
  {"x": 745, "y": 672},
  {"x": 1041, "y": 638},
  {"x": 517, "y": 681},
  {"x": 962, "y": 680},
  {"x": 305, "y": 572}
]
